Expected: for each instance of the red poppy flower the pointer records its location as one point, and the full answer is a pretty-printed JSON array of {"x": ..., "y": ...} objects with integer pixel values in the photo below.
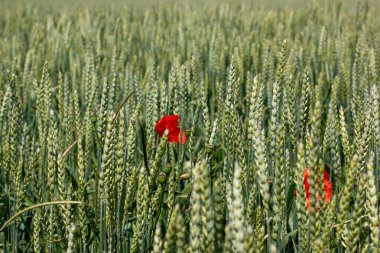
[
  {"x": 326, "y": 183},
  {"x": 170, "y": 122}
]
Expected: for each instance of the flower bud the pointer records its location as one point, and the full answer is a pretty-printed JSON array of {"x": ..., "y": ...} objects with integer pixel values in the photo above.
[
  {"x": 93, "y": 117},
  {"x": 161, "y": 178},
  {"x": 185, "y": 176},
  {"x": 209, "y": 148},
  {"x": 168, "y": 168}
]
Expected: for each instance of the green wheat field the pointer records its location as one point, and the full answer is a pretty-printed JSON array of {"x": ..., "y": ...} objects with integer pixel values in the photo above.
[{"x": 189, "y": 126}]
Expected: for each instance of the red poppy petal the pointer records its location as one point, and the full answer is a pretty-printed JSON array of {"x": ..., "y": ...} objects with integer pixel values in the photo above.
[
  {"x": 306, "y": 182},
  {"x": 183, "y": 137},
  {"x": 170, "y": 122},
  {"x": 328, "y": 191},
  {"x": 326, "y": 175},
  {"x": 327, "y": 186},
  {"x": 172, "y": 138},
  {"x": 160, "y": 129},
  {"x": 326, "y": 183},
  {"x": 161, "y": 126},
  {"x": 176, "y": 137},
  {"x": 167, "y": 122},
  {"x": 173, "y": 134}
]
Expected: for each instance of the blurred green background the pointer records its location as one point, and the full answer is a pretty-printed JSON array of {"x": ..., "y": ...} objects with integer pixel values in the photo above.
[{"x": 60, "y": 5}]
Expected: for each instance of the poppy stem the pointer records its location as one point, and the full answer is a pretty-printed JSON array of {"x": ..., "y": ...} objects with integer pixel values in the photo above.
[{"x": 121, "y": 105}]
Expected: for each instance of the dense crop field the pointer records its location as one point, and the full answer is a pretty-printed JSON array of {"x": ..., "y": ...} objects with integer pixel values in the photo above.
[{"x": 189, "y": 127}]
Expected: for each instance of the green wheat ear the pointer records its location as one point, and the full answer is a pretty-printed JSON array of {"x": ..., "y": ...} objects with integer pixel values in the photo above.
[
  {"x": 157, "y": 239},
  {"x": 138, "y": 241},
  {"x": 237, "y": 212},
  {"x": 372, "y": 209}
]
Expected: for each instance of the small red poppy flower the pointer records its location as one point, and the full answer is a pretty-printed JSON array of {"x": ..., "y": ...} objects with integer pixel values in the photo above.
[
  {"x": 170, "y": 122},
  {"x": 326, "y": 183}
]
